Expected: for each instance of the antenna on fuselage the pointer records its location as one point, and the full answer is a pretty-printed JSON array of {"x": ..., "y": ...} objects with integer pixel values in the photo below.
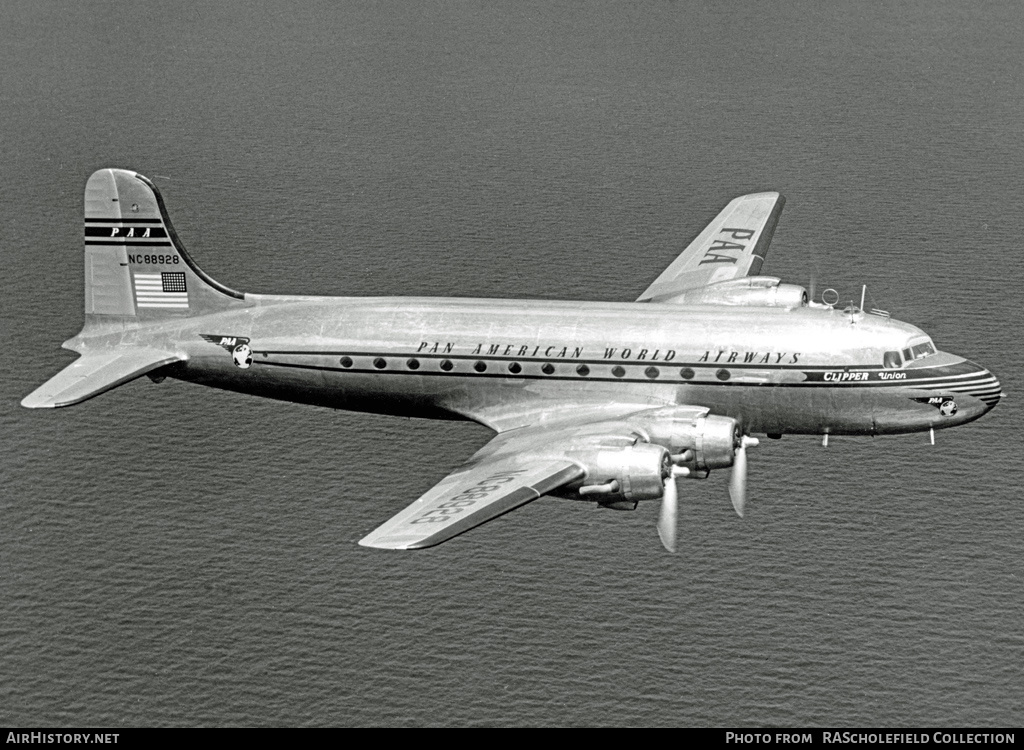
[{"x": 874, "y": 310}]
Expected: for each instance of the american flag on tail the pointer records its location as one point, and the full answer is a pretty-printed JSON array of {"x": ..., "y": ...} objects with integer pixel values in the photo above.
[{"x": 163, "y": 290}]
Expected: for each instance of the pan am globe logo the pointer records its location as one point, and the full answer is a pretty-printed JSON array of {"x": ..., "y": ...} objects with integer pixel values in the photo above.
[
  {"x": 236, "y": 346},
  {"x": 243, "y": 356},
  {"x": 947, "y": 407}
]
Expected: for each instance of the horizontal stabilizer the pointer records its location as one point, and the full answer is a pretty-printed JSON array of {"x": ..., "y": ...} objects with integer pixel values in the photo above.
[{"x": 95, "y": 373}]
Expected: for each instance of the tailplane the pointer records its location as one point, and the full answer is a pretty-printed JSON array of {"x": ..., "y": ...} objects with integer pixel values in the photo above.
[{"x": 95, "y": 373}]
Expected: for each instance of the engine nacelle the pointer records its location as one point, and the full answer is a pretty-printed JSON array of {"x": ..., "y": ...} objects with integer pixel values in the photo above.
[
  {"x": 619, "y": 477},
  {"x": 708, "y": 441},
  {"x": 750, "y": 291},
  {"x": 715, "y": 442}
]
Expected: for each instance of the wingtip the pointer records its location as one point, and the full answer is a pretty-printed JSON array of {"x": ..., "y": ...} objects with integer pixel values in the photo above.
[
  {"x": 773, "y": 195},
  {"x": 32, "y": 401},
  {"x": 388, "y": 542}
]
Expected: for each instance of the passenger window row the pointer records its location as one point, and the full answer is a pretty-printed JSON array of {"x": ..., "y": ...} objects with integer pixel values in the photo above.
[{"x": 515, "y": 368}]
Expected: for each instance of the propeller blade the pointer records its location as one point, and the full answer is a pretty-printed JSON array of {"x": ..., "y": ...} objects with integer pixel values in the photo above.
[
  {"x": 738, "y": 480},
  {"x": 668, "y": 519}
]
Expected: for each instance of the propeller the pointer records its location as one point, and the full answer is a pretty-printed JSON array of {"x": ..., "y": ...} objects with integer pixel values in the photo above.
[
  {"x": 668, "y": 519},
  {"x": 738, "y": 480}
]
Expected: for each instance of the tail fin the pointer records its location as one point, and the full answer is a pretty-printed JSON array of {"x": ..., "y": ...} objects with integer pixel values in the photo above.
[
  {"x": 135, "y": 265},
  {"x": 136, "y": 272}
]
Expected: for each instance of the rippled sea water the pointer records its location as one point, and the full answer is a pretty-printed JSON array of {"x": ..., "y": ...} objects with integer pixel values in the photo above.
[{"x": 172, "y": 555}]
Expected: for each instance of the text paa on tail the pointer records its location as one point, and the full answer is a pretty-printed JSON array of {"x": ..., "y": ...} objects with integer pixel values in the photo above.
[{"x": 137, "y": 275}]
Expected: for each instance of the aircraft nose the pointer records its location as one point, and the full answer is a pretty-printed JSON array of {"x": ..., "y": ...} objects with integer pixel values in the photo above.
[{"x": 984, "y": 386}]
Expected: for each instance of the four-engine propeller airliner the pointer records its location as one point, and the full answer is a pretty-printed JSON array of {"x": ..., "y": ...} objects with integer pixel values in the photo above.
[{"x": 599, "y": 401}]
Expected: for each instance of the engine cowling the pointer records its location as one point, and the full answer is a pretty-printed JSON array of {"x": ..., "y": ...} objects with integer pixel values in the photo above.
[
  {"x": 715, "y": 443},
  {"x": 620, "y": 477},
  {"x": 750, "y": 291},
  {"x": 708, "y": 441}
]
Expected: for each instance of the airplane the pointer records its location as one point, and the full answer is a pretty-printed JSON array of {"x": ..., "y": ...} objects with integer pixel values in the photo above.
[{"x": 607, "y": 402}]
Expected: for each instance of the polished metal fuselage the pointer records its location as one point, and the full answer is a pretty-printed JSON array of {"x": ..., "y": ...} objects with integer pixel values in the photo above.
[{"x": 802, "y": 370}]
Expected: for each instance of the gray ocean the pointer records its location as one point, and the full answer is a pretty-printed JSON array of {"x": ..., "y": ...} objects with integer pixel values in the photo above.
[{"x": 174, "y": 555}]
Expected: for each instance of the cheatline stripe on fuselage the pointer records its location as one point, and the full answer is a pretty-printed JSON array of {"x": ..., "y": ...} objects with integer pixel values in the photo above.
[
  {"x": 948, "y": 383},
  {"x": 917, "y": 375},
  {"x": 702, "y": 364}
]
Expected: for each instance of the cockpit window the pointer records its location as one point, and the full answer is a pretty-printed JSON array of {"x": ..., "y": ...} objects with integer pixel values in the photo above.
[
  {"x": 924, "y": 349},
  {"x": 892, "y": 360}
]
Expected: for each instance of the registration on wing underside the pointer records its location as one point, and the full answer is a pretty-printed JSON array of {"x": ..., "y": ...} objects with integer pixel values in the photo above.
[{"x": 468, "y": 498}]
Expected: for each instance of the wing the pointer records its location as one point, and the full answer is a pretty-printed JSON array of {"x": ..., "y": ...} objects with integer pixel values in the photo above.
[
  {"x": 518, "y": 466},
  {"x": 514, "y": 468},
  {"x": 482, "y": 489},
  {"x": 94, "y": 373},
  {"x": 731, "y": 247}
]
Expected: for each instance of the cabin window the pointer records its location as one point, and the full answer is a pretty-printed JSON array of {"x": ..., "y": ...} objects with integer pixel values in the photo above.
[
  {"x": 446, "y": 365},
  {"x": 651, "y": 372},
  {"x": 582, "y": 370},
  {"x": 480, "y": 366},
  {"x": 618, "y": 371},
  {"x": 380, "y": 363},
  {"x": 413, "y": 364},
  {"x": 686, "y": 373},
  {"x": 892, "y": 360},
  {"x": 548, "y": 368},
  {"x": 723, "y": 374},
  {"x": 346, "y": 361},
  {"x": 515, "y": 368}
]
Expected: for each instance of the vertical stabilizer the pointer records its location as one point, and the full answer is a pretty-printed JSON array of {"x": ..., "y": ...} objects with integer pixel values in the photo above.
[
  {"x": 136, "y": 268},
  {"x": 136, "y": 272}
]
